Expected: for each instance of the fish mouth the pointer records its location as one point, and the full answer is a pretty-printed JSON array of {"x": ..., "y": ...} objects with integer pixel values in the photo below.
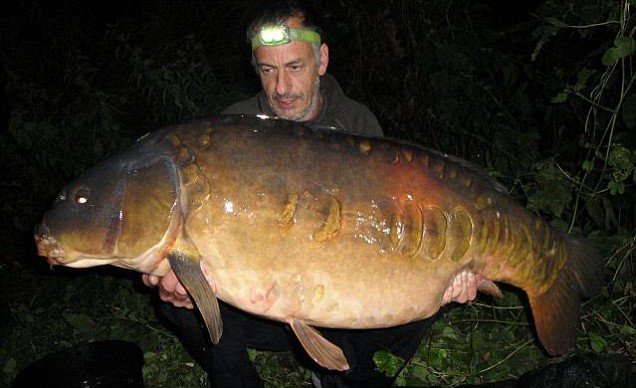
[{"x": 48, "y": 246}]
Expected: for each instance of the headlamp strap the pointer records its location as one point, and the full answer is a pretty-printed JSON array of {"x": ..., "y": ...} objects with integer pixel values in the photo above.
[{"x": 274, "y": 35}]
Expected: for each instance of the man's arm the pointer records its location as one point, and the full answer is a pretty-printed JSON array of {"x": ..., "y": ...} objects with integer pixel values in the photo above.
[{"x": 352, "y": 116}]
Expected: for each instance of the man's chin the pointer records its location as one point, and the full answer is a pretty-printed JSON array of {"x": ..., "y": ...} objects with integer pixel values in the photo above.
[
  {"x": 288, "y": 115},
  {"x": 293, "y": 112}
]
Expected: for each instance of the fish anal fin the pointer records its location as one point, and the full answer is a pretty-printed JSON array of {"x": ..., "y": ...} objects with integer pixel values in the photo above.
[
  {"x": 188, "y": 270},
  {"x": 325, "y": 353}
]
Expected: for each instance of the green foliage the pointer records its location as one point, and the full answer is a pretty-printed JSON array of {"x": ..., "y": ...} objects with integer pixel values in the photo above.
[
  {"x": 173, "y": 84},
  {"x": 484, "y": 341},
  {"x": 551, "y": 194},
  {"x": 607, "y": 163},
  {"x": 53, "y": 311},
  {"x": 623, "y": 47},
  {"x": 388, "y": 363},
  {"x": 280, "y": 369}
]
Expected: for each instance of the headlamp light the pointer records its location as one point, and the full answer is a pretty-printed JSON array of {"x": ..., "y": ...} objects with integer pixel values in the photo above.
[{"x": 274, "y": 35}]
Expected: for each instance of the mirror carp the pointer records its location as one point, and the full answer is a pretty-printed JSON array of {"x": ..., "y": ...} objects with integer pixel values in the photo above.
[{"x": 316, "y": 228}]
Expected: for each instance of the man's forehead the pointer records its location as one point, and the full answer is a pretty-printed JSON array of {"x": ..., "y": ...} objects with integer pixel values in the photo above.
[{"x": 292, "y": 52}]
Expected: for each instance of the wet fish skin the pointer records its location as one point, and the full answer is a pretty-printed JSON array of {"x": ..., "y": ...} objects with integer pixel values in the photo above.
[{"x": 315, "y": 228}]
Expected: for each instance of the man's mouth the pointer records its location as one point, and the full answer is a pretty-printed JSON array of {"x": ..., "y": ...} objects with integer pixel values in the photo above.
[{"x": 285, "y": 103}]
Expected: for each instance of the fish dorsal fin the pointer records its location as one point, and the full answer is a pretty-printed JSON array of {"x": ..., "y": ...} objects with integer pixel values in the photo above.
[
  {"x": 325, "y": 353},
  {"x": 187, "y": 267}
]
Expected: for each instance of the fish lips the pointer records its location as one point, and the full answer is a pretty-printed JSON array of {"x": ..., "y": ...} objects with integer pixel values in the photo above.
[{"x": 47, "y": 245}]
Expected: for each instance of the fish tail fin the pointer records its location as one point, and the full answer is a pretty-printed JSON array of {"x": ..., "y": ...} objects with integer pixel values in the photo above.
[{"x": 557, "y": 310}]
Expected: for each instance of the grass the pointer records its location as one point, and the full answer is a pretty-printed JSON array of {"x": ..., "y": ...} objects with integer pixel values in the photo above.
[{"x": 53, "y": 310}]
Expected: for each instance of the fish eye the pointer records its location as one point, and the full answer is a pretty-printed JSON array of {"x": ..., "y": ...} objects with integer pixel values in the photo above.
[{"x": 81, "y": 196}]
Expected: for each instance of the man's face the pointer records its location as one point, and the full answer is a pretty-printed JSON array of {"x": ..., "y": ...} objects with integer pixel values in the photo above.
[{"x": 290, "y": 78}]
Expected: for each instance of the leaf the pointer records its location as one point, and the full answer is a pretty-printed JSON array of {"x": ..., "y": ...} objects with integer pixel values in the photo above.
[
  {"x": 560, "y": 98},
  {"x": 595, "y": 210},
  {"x": 620, "y": 158},
  {"x": 554, "y": 21},
  {"x": 451, "y": 333},
  {"x": 388, "y": 363},
  {"x": 80, "y": 322},
  {"x": 623, "y": 47},
  {"x": 597, "y": 342},
  {"x": 553, "y": 193},
  {"x": 627, "y": 330},
  {"x": 437, "y": 358},
  {"x": 400, "y": 381},
  {"x": 582, "y": 77},
  {"x": 251, "y": 354},
  {"x": 552, "y": 199},
  {"x": 546, "y": 34},
  {"x": 616, "y": 187}
]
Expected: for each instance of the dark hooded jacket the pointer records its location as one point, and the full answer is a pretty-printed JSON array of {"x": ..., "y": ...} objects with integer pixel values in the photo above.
[{"x": 338, "y": 110}]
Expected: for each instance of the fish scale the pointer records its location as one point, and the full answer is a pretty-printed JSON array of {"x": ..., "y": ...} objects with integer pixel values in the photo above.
[{"x": 317, "y": 228}]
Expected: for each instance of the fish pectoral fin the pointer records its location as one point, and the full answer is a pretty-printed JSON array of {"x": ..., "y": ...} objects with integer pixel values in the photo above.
[
  {"x": 325, "y": 353},
  {"x": 188, "y": 270},
  {"x": 490, "y": 288}
]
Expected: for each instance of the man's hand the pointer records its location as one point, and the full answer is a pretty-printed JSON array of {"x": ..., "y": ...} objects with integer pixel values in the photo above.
[
  {"x": 170, "y": 289},
  {"x": 463, "y": 288}
]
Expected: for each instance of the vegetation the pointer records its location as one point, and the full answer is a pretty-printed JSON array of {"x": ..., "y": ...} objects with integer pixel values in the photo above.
[{"x": 542, "y": 96}]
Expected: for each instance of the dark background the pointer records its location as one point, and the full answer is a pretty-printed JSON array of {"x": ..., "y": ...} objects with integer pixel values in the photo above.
[
  {"x": 520, "y": 89},
  {"x": 525, "y": 89}
]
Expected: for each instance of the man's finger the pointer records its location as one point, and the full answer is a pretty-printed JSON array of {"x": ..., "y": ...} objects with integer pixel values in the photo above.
[
  {"x": 181, "y": 291},
  {"x": 169, "y": 282},
  {"x": 172, "y": 291},
  {"x": 150, "y": 280}
]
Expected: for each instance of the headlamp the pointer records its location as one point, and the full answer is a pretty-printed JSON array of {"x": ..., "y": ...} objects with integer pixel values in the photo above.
[{"x": 274, "y": 35}]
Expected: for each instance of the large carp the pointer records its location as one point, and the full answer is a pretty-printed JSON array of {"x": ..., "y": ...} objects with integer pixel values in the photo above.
[{"x": 315, "y": 228}]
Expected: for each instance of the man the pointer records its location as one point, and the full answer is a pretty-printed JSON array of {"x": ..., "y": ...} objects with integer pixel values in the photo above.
[{"x": 291, "y": 62}]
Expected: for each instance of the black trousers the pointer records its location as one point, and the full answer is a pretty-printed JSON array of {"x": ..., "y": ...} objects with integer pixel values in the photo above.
[{"x": 228, "y": 364}]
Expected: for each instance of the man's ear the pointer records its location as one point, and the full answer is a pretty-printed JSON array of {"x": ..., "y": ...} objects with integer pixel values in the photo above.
[{"x": 324, "y": 59}]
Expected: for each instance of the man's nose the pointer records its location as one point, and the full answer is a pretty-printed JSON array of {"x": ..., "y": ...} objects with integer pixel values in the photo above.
[{"x": 282, "y": 83}]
